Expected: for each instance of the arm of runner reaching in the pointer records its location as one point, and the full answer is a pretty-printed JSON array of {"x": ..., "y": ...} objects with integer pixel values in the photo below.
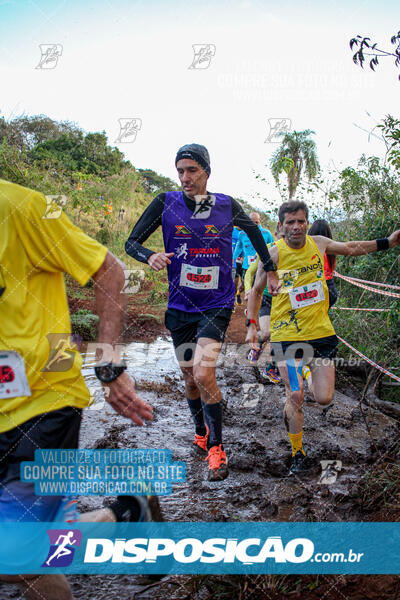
[
  {"x": 147, "y": 224},
  {"x": 109, "y": 280},
  {"x": 250, "y": 276},
  {"x": 255, "y": 299},
  {"x": 244, "y": 222},
  {"x": 238, "y": 249},
  {"x": 355, "y": 248}
]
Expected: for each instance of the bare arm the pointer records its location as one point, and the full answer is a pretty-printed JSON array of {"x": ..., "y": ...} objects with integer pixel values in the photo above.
[
  {"x": 110, "y": 304},
  {"x": 254, "y": 304},
  {"x": 255, "y": 298},
  {"x": 274, "y": 285},
  {"x": 354, "y": 248},
  {"x": 250, "y": 275}
]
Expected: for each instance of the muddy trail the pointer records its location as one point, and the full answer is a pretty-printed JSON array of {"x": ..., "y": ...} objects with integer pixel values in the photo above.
[{"x": 258, "y": 487}]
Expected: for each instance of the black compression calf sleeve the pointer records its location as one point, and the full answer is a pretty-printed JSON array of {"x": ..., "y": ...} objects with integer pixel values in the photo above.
[
  {"x": 196, "y": 408},
  {"x": 213, "y": 414}
]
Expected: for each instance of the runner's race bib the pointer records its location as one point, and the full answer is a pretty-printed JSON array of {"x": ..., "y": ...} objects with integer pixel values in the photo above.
[
  {"x": 13, "y": 381},
  {"x": 199, "y": 278},
  {"x": 305, "y": 295},
  {"x": 251, "y": 258}
]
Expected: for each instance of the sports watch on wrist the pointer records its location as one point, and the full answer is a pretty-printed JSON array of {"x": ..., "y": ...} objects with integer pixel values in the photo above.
[
  {"x": 248, "y": 321},
  {"x": 108, "y": 372}
]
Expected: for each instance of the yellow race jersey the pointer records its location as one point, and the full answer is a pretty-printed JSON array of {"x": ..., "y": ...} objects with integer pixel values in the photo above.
[
  {"x": 251, "y": 273},
  {"x": 38, "y": 243},
  {"x": 300, "y": 311}
]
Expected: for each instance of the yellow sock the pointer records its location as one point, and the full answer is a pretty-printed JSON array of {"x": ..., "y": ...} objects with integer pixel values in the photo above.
[{"x": 296, "y": 439}]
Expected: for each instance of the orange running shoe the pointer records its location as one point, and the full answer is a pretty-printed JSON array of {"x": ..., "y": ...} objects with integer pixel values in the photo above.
[
  {"x": 217, "y": 464},
  {"x": 200, "y": 441}
]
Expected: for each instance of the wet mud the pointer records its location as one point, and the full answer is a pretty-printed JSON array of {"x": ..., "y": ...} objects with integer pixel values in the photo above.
[{"x": 258, "y": 487}]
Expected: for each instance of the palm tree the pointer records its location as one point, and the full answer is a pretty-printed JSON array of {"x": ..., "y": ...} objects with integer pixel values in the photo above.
[{"x": 297, "y": 152}]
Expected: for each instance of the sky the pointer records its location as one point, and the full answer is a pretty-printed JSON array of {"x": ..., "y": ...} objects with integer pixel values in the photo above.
[{"x": 129, "y": 62}]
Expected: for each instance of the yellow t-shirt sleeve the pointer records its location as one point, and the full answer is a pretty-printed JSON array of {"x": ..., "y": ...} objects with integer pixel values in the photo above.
[
  {"x": 250, "y": 275},
  {"x": 55, "y": 244}
]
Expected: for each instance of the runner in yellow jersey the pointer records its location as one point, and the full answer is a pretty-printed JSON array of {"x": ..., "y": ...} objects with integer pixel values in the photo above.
[
  {"x": 42, "y": 390},
  {"x": 299, "y": 317}
]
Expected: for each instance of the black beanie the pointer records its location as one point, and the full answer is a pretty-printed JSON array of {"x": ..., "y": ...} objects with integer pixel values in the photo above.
[{"x": 195, "y": 152}]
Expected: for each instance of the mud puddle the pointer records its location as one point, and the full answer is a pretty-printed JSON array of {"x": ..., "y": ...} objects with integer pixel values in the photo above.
[{"x": 258, "y": 487}]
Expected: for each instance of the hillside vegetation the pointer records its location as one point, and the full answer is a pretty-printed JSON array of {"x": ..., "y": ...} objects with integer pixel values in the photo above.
[{"x": 59, "y": 158}]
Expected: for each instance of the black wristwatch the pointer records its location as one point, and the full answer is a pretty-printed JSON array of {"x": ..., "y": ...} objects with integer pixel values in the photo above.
[{"x": 108, "y": 372}]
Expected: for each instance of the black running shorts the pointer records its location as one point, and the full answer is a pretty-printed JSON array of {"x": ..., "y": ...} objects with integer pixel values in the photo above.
[
  {"x": 239, "y": 270},
  {"x": 58, "y": 429},
  {"x": 266, "y": 304},
  {"x": 186, "y": 328},
  {"x": 325, "y": 347}
]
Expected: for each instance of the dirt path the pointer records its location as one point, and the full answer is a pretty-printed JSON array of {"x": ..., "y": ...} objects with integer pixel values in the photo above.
[{"x": 258, "y": 487}]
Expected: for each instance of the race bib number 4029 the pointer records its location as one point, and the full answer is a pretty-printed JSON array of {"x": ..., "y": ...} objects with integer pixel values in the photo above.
[
  {"x": 305, "y": 295},
  {"x": 199, "y": 278}
]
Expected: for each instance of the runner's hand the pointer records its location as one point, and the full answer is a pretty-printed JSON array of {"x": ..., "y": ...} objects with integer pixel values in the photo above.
[
  {"x": 274, "y": 285},
  {"x": 394, "y": 239},
  {"x": 252, "y": 337},
  {"x": 159, "y": 260},
  {"x": 125, "y": 401}
]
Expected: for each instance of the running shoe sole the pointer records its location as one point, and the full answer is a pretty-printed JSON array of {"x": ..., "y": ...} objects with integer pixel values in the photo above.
[{"x": 218, "y": 474}]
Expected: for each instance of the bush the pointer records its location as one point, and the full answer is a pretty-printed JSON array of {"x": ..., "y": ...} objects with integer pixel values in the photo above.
[
  {"x": 371, "y": 199},
  {"x": 84, "y": 322}
]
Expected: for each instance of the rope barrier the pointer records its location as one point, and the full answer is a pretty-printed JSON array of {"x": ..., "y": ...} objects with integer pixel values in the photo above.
[
  {"x": 366, "y": 309},
  {"x": 366, "y": 287},
  {"x": 388, "y": 285},
  {"x": 371, "y": 362}
]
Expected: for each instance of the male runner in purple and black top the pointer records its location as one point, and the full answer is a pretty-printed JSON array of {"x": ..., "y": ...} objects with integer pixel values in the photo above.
[{"x": 197, "y": 229}]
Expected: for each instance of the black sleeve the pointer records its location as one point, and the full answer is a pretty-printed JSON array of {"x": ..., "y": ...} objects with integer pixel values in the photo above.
[
  {"x": 147, "y": 224},
  {"x": 244, "y": 222}
]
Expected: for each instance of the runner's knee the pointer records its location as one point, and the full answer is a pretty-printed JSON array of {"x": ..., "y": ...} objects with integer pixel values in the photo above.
[
  {"x": 203, "y": 377},
  {"x": 50, "y": 587},
  {"x": 325, "y": 398},
  {"x": 296, "y": 399},
  {"x": 14, "y": 578}
]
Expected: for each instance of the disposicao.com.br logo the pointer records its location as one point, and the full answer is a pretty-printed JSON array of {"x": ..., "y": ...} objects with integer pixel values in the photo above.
[
  {"x": 202, "y": 547},
  {"x": 213, "y": 550}
]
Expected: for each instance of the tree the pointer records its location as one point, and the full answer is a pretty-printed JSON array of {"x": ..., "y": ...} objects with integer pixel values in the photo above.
[
  {"x": 296, "y": 154},
  {"x": 153, "y": 182},
  {"x": 391, "y": 135},
  {"x": 364, "y": 44},
  {"x": 25, "y": 132},
  {"x": 76, "y": 151}
]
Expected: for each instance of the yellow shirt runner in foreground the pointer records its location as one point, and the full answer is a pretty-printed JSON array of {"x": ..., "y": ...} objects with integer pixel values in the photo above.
[
  {"x": 36, "y": 246},
  {"x": 300, "y": 311}
]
